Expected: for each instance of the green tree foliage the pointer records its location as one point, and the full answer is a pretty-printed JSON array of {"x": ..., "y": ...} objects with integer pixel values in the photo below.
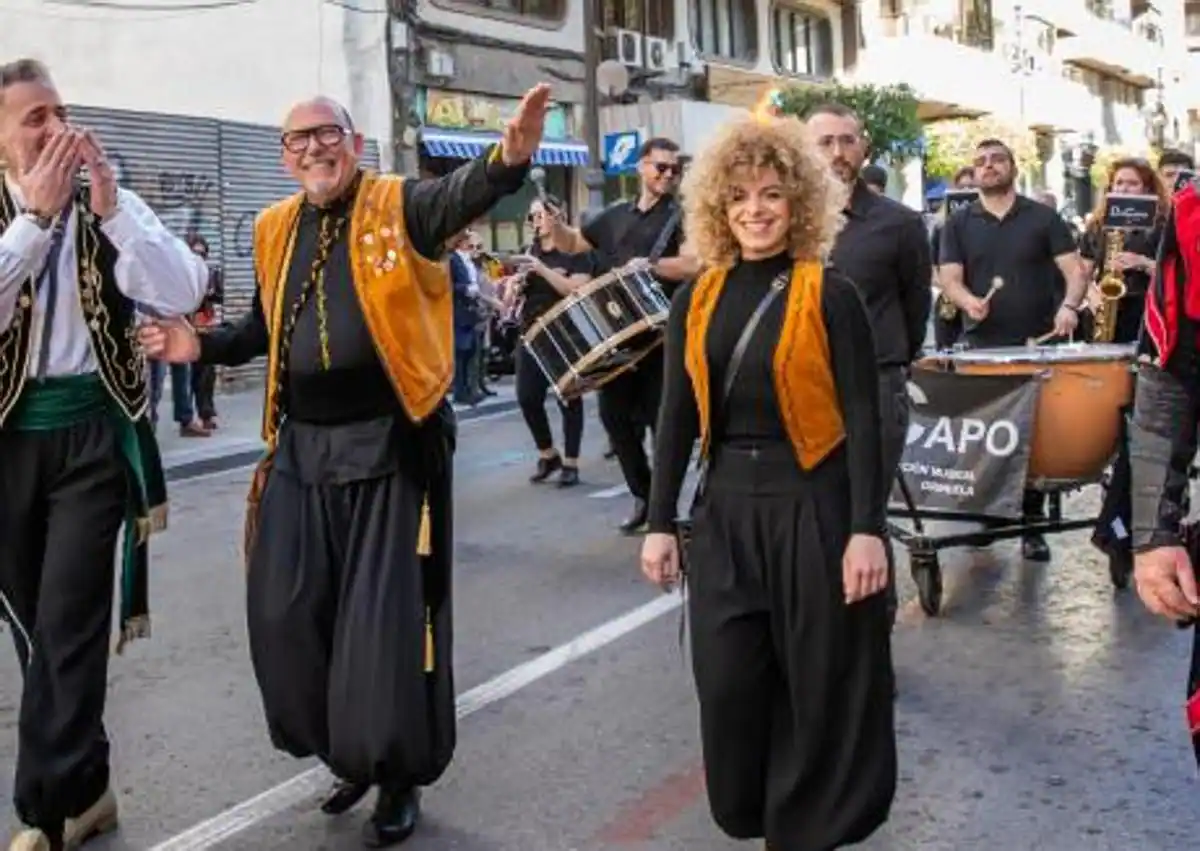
[
  {"x": 888, "y": 113},
  {"x": 951, "y": 144}
]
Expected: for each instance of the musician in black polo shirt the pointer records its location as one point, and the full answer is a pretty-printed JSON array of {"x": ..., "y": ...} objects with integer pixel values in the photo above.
[
  {"x": 884, "y": 249},
  {"x": 648, "y": 228},
  {"x": 1026, "y": 245},
  {"x": 549, "y": 276}
]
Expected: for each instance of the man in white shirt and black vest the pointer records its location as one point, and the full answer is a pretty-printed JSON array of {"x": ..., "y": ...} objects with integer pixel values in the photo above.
[{"x": 78, "y": 459}]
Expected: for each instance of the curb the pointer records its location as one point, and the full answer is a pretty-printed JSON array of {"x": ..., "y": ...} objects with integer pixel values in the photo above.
[{"x": 186, "y": 470}]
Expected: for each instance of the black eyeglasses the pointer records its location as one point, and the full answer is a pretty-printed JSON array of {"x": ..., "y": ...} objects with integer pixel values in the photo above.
[{"x": 327, "y": 135}]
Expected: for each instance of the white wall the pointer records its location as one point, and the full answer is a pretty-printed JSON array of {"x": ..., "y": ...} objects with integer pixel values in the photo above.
[{"x": 241, "y": 63}]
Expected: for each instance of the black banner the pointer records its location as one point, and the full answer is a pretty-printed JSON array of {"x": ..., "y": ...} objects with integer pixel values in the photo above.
[
  {"x": 969, "y": 440},
  {"x": 956, "y": 199}
]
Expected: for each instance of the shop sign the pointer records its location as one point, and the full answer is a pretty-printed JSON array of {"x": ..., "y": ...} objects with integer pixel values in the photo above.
[{"x": 448, "y": 110}]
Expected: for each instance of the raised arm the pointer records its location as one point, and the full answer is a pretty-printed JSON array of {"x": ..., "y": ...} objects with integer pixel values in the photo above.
[
  {"x": 856, "y": 374},
  {"x": 678, "y": 421},
  {"x": 24, "y": 247},
  {"x": 154, "y": 267}
]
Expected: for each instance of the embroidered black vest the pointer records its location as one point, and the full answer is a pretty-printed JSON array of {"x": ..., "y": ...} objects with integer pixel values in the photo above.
[{"x": 110, "y": 317}]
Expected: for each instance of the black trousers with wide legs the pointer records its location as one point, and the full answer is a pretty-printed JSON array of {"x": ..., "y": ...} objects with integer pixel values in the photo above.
[{"x": 64, "y": 499}]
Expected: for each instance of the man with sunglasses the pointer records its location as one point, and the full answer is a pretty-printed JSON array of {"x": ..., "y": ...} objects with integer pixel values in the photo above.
[
  {"x": 625, "y": 231},
  {"x": 348, "y": 535},
  {"x": 1027, "y": 245}
]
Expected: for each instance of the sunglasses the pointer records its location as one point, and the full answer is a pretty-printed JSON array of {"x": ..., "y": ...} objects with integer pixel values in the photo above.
[{"x": 668, "y": 168}]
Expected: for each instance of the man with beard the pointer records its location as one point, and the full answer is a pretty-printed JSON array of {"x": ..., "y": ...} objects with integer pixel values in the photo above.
[
  {"x": 1025, "y": 244},
  {"x": 884, "y": 250},
  {"x": 78, "y": 457},
  {"x": 348, "y": 535},
  {"x": 648, "y": 226}
]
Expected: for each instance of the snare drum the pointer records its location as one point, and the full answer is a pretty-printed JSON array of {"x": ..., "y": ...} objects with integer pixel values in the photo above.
[
  {"x": 599, "y": 331},
  {"x": 1078, "y": 418}
]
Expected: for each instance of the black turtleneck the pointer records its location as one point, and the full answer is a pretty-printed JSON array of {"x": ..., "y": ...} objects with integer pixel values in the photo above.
[
  {"x": 355, "y": 387},
  {"x": 751, "y": 415}
]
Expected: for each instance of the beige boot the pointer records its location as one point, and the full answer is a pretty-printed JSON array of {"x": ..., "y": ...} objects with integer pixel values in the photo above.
[
  {"x": 99, "y": 818},
  {"x": 30, "y": 840}
]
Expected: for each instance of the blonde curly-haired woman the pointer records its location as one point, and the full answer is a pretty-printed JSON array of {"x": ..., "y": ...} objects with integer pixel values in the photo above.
[{"x": 786, "y": 562}]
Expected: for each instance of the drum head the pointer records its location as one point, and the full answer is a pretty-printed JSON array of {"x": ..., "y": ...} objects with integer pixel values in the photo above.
[{"x": 1066, "y": 353}]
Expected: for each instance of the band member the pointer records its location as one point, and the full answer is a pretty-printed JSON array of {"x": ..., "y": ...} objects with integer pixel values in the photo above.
[
  {"x": 947, "y": 319},
  {"x": 1163, "y": 433},
  {"x": 884, "y": 249},
  {"x": 1133, "y": 265},
  {"x": 349, "y": 530},
  {"x": 790, "y": 635},
  {"x": 77, "y": 453},
  {"x": 549, "y": 276},
  {"x": 647, "y": 228},
  {"x": 1026, "y": 245}
]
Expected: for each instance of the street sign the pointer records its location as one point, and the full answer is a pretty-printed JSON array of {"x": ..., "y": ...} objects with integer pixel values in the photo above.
[{"x": 621, "y": 152}]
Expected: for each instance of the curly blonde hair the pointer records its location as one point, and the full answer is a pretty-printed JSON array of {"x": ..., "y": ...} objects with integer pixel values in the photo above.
[{"x": 756, "y": 142}]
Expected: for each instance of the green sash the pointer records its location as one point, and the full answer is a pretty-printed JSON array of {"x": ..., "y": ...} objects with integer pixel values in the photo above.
[{"x": 55, "y": 403}]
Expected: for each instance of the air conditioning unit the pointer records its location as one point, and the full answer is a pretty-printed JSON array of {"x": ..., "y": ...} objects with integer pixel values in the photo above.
[
  {"x": 625, "y": 46},
  {"x": 657, "y": 53}
]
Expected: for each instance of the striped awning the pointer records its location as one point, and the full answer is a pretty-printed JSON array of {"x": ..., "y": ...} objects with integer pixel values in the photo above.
[{"x": 468, "y": 146}]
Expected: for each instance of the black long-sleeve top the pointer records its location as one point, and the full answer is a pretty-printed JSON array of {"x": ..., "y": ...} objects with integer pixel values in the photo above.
[
  {"x": 355, "y": 386},
  {"x": 752, "y": 414}
]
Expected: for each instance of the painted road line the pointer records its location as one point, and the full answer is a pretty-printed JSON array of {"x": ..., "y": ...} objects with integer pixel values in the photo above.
[
  {"x": 237, "y": 819},
  {"x": 610, "y": 493}
]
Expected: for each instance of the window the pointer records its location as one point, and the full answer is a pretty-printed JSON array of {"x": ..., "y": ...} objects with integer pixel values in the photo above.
[
  {"x": 802, "y": 42},
  {"x": 547, "y": 10},
  {"x": 655, "y": 18},
  {"x": 726, "y": 28}
]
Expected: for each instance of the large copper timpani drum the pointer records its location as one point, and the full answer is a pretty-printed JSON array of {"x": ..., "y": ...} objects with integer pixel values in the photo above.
[
  {"x": 1078, "y": 418},
  {"x": 599, "y": 331}
]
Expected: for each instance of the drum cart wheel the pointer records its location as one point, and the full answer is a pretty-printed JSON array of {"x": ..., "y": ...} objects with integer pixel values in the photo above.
[{"x": 927, "y": 575}]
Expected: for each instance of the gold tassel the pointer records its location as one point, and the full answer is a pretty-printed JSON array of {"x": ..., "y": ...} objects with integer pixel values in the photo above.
[
  {"x": 428, "y": 642},
  {"x": 425, "y": 532}
]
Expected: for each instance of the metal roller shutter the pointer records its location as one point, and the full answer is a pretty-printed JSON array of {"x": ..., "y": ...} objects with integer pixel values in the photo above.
[{"x": 252, "y": 178}]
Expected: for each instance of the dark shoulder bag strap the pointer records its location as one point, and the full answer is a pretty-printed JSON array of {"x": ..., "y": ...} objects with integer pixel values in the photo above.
[{"x": 664, "y": 236}]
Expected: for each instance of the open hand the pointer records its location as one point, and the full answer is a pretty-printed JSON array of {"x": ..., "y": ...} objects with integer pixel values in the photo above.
[
  {"x": 170, "y": 340},
  {"x": 523, "y": 133},
  {"x": 864, "y": 567},
  {"x": 47, "y": 187},
  {"x": 104, "y": 180}
]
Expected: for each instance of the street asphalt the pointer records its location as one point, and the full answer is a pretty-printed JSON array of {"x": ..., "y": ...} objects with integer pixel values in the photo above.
[{"x": 1043, "y": 710}]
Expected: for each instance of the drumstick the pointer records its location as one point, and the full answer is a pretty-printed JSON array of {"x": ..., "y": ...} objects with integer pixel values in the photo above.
[
  {"x": 1037, "y": 341},
  {"x": 997, "y": 285}
]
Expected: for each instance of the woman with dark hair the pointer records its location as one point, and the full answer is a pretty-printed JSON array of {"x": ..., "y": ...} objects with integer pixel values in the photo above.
[
  {"x": 548, "y": 276},
  {"x": 770, "y": 364}
]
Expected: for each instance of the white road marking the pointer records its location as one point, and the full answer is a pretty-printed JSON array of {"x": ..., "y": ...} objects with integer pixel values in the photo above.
[
  {"x": 609, "y": 493},
  {"x": 237, "y": 819}
]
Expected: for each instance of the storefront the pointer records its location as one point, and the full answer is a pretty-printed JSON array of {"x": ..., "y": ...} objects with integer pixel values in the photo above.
[{"x": 459, "y": 126}]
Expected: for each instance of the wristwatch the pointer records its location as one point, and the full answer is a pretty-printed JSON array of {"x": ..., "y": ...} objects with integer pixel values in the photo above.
[{"x": 42, "y": 221}]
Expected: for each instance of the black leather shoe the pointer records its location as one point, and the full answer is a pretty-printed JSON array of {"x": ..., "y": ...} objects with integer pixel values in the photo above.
[
  {"x": 635, "y": 521},
  {"x": 569, "y": 477},
  {"x": 343, "y": 796},
  {"x": 546, "y": 467},
  {"x": 395, "y": 818},
  {"x": 1035, "y": 548}
]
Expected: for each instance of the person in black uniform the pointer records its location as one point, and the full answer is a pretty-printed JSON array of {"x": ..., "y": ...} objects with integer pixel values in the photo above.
[
  {"x": 946, "y": 331},
  {"x": 1028, "y": 246},
  {"x": 884, "y": 249},
  {"x": 549, "y": 276},
  {"x": 790, "y": 633},
  {"x": 1135, "y": 264},
  {"x": 626, "y": 231}
]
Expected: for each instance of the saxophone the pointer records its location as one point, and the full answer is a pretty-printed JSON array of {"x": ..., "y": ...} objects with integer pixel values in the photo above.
[{"x": 1112, "y": 288}]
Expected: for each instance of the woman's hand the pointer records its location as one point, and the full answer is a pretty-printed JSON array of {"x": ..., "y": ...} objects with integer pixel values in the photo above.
[
  {"x": 660, "y": 560},
  {"x": 864, "y": 567}
]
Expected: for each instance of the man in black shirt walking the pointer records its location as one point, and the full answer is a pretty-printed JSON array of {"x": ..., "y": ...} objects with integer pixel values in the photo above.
[
  {"x": 649, "y": 227},
  {"x": 884, "y": 249},
  {"x": 1025, "y": 244}
]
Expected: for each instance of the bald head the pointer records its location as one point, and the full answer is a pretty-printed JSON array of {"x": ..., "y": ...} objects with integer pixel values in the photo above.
[{"x": 321, "y": 148}]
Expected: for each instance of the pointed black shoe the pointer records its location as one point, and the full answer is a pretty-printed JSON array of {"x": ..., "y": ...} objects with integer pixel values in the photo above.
[
  {"x": 546, "y": 467},
  {"x": 635, "y": 521},
  {"x": 343, "y": 797},
  {"x": 395, "y": 818}
]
